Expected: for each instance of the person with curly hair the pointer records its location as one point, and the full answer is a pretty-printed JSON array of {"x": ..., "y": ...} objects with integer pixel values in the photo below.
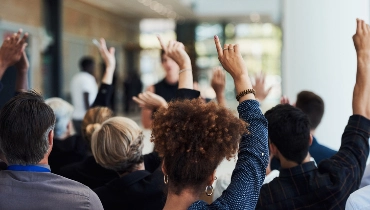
[{"x": 193, "y": 138}]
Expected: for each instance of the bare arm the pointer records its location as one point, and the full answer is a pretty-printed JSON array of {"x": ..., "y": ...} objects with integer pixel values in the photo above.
[
  {"x": 361, "y": 96},
  {"x": 21, "y": 82},
  {"x": 146, "y": 114}
]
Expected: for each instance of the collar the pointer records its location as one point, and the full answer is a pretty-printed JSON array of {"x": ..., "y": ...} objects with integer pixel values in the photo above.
[
  {"x": 31, "y": 168},
  {"x": 129, "y": 179},
  {"x": 300, "y": 169}
]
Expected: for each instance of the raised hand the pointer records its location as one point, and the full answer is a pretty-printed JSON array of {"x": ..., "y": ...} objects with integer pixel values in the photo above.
[
  {"x": 12, "y": 50},
  {"x": 150, "y": 101},
  {"x": 23, "y": 64},
  {"x": 218, "y": 80},
  {"x": 176, "y": 51},
  {"x": 284, "y": 100},
  {"x": 107, "y": 55},
  {"x": 109, "y": 60},
  {"x": 259, "y": 87},
  {"x": 232, "y": 61}
]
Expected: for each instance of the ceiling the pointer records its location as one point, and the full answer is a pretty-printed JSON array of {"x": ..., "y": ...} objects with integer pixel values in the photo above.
[{"x": 202, "y": 10}]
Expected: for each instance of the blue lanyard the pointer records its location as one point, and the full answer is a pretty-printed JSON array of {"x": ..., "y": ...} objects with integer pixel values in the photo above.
[{"x": 32, "y": 168}]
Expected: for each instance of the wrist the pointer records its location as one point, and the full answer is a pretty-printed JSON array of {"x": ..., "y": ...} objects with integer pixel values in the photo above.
[{"x": 186, "y": 65}]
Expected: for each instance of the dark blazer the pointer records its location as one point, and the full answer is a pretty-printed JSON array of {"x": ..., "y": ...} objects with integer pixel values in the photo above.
[
  {"x": 68, "y": 151},
  {"x": 137, "y": 190},
  {"x": 89, "y": 173}
]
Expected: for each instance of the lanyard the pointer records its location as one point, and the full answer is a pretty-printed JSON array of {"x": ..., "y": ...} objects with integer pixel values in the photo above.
[{"x": 32, "y": 168}]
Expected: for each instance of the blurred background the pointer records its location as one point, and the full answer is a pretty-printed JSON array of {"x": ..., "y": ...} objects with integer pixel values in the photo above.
[{"x": 299, "y": 45}]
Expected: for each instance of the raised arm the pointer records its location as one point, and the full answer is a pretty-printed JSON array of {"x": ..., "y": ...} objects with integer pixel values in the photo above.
[
  {"x": 250, "y": 168},
  {"x": 12, "y": 50},
  {"x": 361, "y": 96},
  {"x": 260, "y": 87},
  {"x": 21, "y": 82},
  {"x": 105, "y": 90}
]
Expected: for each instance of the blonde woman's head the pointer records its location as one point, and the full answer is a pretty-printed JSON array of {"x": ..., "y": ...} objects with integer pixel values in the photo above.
[
  {"x": 117, "y": 144},
  {"x": 93, "y": 118}
]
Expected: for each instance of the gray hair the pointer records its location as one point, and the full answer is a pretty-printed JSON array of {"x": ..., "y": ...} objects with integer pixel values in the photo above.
[{"x": 63, "y": 114}]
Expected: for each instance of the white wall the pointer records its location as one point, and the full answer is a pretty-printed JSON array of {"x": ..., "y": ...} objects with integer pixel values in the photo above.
[{"x": 318, "y": 55}]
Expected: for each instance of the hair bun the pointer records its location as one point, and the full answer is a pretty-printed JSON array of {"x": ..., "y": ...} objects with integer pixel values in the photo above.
[{"x": 91, "y": 128}]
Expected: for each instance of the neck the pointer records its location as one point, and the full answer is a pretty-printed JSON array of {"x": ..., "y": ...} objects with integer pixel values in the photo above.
[
  {"x": 182, "y": 201},
  {"x": 290, "y": 164},
  {"x": 312, "y": 132},
  {"x": 172, "y": 78}
]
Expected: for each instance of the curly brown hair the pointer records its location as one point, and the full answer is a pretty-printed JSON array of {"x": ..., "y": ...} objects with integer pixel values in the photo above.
[{"x": 193, "y": 137}]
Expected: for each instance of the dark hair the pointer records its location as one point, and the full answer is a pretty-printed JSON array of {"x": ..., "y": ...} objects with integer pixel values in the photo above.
[
  {"x": 312, "y": 105},
  {"x": 86, "y": 63},
  {"x": 194, "y": 137},
  {"x": 289, "y": 131},
  {"x": 25, "y": 122}
]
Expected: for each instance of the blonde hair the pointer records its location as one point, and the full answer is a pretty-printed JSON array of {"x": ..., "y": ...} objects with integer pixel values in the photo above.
[
  {"x": 117, "y": 144},
  {"x": 93, "y": 118}
]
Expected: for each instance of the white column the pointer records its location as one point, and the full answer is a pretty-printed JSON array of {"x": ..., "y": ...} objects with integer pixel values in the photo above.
[{"x": 318, "y": 55}]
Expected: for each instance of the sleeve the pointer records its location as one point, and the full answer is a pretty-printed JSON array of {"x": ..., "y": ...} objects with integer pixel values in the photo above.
[
  {"x": 103, "y": 98},
  {"x": 152, "y": 161},
  {"x": 1, "y": 86},
  {"x": 249, "y": 172},
  {"x": 187, "y": 94},
  {"x": 353, "y": 153},
  {"x": 95, "y": 203}
]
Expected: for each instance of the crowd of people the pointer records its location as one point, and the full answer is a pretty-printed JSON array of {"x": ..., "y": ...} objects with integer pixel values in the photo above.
[{"x": 280, "y": 164}]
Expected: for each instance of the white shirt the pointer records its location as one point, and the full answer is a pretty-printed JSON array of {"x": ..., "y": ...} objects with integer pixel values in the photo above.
[
  {"x": 359, "y": 200},
  {"x": 366, "y": 178},
  {"x": 224, "y": 180},
  {"x": 82, "y": 82}
]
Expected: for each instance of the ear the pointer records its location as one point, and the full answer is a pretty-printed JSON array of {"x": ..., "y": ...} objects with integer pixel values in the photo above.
[
  {"x": 50, "y": 139},
  {"x": 311, "y": 139},
  {"x": 163, "y": 168},
  {"x": 211, "y": 179},
  {"x": 273, "y": 149}
]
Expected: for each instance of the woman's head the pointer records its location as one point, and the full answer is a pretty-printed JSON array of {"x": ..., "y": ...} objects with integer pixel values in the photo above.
[
  {"x": 194, "y": 137},
  {"x": 117, "y": 144},
  {"x": 92, "y": 119}
]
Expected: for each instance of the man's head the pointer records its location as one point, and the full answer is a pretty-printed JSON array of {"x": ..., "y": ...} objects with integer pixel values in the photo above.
[
  {"x": 63, "y": 113},
  {"x": 289, "y": 132},
  {"x": 87, "y": 64},
  {"x": 169, "y": 65},
  {"x": 26, "y": 129},
  {"x": 312, "y": 105}
]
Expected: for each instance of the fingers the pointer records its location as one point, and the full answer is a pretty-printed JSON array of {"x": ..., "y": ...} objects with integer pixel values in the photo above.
[
  {"x": 103, "y": 45},
  {"x": 218, "y": 46},
  {"x": 161, "y": 42},
  {"x": 138, "y": 101},
  {"x": 236, "y": 49},
  {"x": 358, "y": 25}
]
